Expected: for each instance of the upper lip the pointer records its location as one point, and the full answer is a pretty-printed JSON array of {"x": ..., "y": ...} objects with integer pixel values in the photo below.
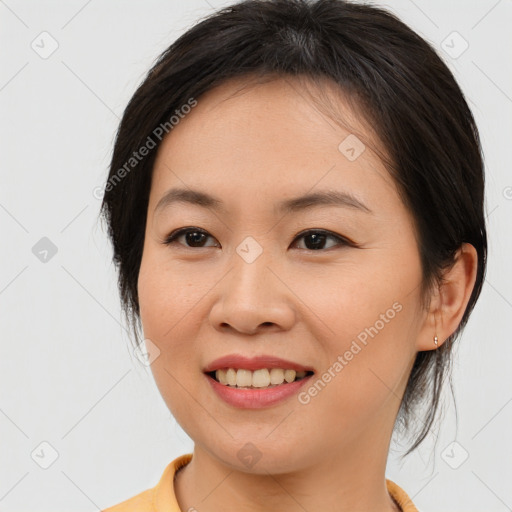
[{"x": 254, "y": 363}]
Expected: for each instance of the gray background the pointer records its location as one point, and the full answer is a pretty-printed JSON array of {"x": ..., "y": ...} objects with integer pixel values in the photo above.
[{"x": 68, "y": 377}]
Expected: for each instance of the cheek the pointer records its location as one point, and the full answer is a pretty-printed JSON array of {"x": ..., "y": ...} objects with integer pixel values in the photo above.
[
  {"x": 169, "y": 295},
  {"x": 169, "y": 300},
  {"x": 371, "y": 316},
  {"x": 362, "y": 292},
  {"x": 166, "y": 301}
]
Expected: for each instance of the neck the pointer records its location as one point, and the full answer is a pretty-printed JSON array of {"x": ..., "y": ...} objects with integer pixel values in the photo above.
[{"x": 351, "y": 478}]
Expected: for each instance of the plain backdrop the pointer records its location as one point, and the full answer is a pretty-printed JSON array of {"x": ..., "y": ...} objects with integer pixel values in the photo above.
[{"x": 82, "y": 424}]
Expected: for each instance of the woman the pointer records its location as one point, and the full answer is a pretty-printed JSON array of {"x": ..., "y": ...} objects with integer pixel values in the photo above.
[{"x": 295, "y": 202}]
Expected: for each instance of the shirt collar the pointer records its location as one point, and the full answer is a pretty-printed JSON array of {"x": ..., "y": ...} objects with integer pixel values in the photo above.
[{"x": 164, "y": 497}]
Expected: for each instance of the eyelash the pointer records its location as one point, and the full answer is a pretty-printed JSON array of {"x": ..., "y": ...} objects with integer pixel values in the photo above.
[{"x": 342, "y": 241}]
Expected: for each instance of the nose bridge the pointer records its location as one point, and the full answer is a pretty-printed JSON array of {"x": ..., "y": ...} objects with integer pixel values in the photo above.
[
  {"x": 251, "y": 278},
  {"x": 252, "y": 294}
]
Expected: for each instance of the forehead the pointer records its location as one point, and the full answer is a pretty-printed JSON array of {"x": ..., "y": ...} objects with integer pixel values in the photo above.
[{"x": 277, "y": 137}]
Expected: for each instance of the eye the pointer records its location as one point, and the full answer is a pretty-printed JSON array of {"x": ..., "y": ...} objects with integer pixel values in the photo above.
[
  {"x": 193, "y": 236},
  {"x": 314, "y": 238}
]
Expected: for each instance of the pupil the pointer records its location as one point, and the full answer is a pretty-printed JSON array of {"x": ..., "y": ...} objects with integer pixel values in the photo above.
[
  {"x": 192, "y": 237},
  {"x": 318, "y": 239}
]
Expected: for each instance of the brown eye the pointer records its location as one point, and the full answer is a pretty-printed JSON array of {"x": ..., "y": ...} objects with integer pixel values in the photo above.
[
  {"x": 194, "y": 237},
  {"x": 315, "y": 239}
]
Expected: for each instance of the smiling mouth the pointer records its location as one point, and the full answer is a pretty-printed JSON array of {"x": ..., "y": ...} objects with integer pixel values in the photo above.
[{"x": 263, "y": 378}]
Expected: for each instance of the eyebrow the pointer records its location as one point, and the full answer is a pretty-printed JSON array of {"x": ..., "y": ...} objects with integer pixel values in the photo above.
[{"x": 320, "y": 198}]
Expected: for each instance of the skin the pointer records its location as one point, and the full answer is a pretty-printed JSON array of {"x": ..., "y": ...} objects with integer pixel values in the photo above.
[{"x": 252, "y": 149}]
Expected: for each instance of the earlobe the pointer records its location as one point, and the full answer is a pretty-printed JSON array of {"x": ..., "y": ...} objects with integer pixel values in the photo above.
[{"x": 450, "y": 301}]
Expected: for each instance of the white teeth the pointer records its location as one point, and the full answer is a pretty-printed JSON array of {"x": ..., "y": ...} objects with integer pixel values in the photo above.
[
  {"x": 276, "y": 376},
  {"x": 262, "y": 378},
  {"x": 289, "y": 375},
  {"x": 222, "y": 378},
  {"x": 243, "y": 378},
  {"x": 230, "y": 376}
]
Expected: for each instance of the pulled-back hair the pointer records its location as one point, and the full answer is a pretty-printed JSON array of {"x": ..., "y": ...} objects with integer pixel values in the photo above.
[{"x": 400, "y": 85}]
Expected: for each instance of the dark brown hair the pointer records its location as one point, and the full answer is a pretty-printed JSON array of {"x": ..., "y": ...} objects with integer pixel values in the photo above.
[{"x": 397, "y": 80}]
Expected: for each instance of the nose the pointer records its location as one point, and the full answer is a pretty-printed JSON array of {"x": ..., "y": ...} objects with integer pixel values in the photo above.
[{"x": 253, "y": 297}]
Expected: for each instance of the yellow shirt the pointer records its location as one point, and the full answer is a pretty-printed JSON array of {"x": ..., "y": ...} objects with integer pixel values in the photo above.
[{"x": 161, "y": 498}]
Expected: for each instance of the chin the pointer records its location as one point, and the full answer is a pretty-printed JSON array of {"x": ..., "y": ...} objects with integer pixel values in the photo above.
[{"x": 262, "y": 456}]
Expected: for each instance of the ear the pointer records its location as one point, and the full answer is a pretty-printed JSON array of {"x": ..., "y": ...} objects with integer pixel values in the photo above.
[{"x": 449, "y": 300}]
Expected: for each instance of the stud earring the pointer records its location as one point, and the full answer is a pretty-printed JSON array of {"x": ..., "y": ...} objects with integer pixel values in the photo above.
[{"x": 435, "y": 340}]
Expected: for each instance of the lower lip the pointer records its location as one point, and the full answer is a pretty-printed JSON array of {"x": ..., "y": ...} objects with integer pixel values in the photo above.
[{"x": 256, "y": 398}]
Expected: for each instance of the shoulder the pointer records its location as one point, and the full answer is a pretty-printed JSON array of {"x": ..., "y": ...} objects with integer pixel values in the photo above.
[
  {"x": 142, "y": 502},
  {"x": 160, "y": 497},
  {"x": 400, "y": 497}
]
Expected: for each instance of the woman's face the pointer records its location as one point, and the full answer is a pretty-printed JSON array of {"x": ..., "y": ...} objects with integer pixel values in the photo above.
[{"x": 262, "y": 281}]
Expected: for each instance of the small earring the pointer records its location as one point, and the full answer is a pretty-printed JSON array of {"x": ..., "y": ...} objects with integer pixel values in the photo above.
[{"x": 435, "y": 340}]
